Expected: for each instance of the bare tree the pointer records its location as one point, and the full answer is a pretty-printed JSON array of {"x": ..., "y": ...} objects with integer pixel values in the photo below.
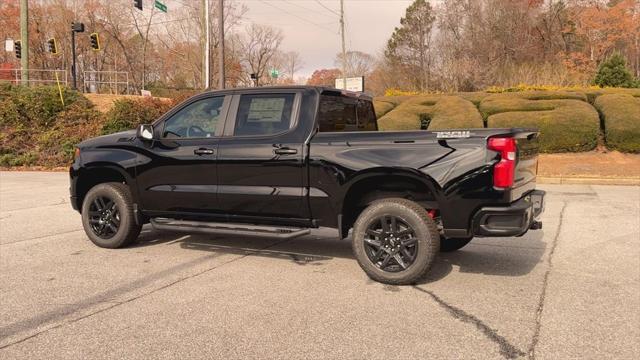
[
  {"x": 292, "y": 63},
  {"x": 358, "y": 63},
  {"x": 259, "y": 45}
]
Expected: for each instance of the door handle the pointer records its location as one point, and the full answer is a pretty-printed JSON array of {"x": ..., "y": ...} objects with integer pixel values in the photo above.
[
  {"x": 285, "y": 151},
  {"x": 203, "y": 151}
]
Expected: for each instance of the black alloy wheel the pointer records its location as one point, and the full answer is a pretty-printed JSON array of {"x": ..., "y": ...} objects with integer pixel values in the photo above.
[
  {"x": 390, "y": 243},
  {"x": 104, "y": 217},
  {"x": 395, "y": 241},
  {"x": 108, "y": 216}
]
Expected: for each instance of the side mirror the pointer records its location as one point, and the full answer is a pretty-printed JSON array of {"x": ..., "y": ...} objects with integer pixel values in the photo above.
[{"x": 145, "y": 132}]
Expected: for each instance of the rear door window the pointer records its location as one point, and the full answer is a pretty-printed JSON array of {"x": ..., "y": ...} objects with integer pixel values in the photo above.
[{"x": 264, "y": 114}]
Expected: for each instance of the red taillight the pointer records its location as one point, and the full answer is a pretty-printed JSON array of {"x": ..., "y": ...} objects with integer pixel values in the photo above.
[{"x": 503, "y": 171}]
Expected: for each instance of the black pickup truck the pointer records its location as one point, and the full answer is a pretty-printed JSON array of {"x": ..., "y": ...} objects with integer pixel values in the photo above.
[{"x": 280, "y": 161}]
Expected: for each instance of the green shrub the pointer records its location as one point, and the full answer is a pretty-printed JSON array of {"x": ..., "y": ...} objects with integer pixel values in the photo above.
[
  {"x": 613, "y": 72},
  {"x": 127, "y": 114},
  {"x": 37, "y": 106},
  {"x": 621, "y": 115},
  {"x": 9, "y": 160},
  {"x": 565, "y": 125},
  {"x": 453, "y": 112}
]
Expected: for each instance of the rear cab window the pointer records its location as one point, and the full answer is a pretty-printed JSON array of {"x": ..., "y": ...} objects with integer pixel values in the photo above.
[{"x": 339, "y": 113}]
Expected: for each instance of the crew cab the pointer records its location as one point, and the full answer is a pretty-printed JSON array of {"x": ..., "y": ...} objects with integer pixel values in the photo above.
[{"x": 280, "y": 161}]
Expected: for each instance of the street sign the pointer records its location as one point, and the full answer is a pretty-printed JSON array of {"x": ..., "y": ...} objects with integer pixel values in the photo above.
[
  {"x": 160, "y": 6},
  {"x": 8, "y": 45},
  {"x": 353, "y": 83},
  {"x": 275, "y": 73}
]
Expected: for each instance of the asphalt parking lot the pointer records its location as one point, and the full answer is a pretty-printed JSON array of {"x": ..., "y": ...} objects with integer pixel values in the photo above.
[{"x": 571, "y": 290}]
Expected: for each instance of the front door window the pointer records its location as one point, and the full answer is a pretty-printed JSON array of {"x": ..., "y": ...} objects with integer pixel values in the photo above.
[{"x": 197, "y": 120}]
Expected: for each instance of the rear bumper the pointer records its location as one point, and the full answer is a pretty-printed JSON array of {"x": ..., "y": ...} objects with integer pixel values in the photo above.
[{"x": 513, "y": 220}]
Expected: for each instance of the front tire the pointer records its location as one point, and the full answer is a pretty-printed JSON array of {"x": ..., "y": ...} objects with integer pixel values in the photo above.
[
  {"x": 395, "y": 241},
  {"x": 107, "y": 216}
]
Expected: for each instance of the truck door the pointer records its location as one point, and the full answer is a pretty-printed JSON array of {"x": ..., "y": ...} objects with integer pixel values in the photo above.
[
  {"x": 260, "y": 160},
  {"x": 179, "y": 174}
]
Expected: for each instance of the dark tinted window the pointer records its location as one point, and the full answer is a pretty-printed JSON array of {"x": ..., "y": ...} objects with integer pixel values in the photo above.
[
  {"x": 366, "y": 116},
  {"x": 264, "y": 114},
  {"x": 339, "y": 113}
]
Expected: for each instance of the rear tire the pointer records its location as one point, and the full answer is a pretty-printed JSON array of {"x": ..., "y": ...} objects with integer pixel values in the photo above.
[
  {"x": 453, "y": 244},
  {"x": 400, "y": 252},
  {"x": 107, "y": 216}
]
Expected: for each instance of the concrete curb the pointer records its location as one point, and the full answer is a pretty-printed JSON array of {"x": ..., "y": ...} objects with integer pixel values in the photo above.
[{"x": 587, "y": 180}]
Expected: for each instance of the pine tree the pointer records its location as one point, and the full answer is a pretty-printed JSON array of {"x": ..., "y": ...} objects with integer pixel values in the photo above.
[
  {"x": 613, "y": 72},
  {"x": 410, "y": 45}
]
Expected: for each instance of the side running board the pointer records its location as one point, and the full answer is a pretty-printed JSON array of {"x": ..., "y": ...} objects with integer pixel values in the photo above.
[{"x": 227, "y": 228}]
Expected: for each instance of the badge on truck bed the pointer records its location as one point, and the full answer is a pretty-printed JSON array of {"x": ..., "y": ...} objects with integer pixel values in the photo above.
[{"x": 453, "y": 134}]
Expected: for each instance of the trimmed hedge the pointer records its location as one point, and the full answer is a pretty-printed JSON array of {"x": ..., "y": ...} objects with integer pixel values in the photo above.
[
  {"x": 594, "y": 93},
  {"x": 553, "y": 95},
  {"x": 565, "y": 125},
  {"x": 431, "y": 112},
  {"x": 475, "y": 97},
  {"x": 453, "y": 112},
  {"x": 621, "y": 114},
  {"x": 382, "y": 107},
  {"x": 412, "y": 114}
]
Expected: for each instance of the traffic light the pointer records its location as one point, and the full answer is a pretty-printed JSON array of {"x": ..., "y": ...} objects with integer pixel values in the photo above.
[
  {"x": 95, "y": 41},
  {"x": 53, "y": 46},
  {"x": 77, "y": 27},
  {"x": 17, "y": 47},
  {"x": 137, "y": 4}
]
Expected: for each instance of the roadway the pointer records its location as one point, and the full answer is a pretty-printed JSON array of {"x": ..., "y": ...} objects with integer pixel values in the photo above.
[{"x": 570, "y": 290}]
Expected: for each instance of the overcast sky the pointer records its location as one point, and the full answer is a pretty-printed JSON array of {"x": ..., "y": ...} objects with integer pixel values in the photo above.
[{"x": 313, "y": 30}]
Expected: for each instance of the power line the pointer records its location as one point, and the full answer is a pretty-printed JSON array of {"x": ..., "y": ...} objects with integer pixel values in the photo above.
[
  {"x": 306, "y": 8},
  {"x": 328, "y": 8},
  {"x": 299, "y": 17}
]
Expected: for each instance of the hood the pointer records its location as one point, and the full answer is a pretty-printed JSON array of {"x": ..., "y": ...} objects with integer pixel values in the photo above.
[{"x": 111, "y": 139}]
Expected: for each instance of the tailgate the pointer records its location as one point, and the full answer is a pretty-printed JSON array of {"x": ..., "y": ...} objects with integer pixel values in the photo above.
[{"x": 526, "y": 161}]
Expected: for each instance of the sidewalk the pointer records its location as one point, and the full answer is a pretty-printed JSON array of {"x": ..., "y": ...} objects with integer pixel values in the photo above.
[{"x": 595, "y": 167}]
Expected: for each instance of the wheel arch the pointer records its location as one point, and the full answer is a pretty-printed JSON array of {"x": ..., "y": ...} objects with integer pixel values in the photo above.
[
  {"x": 91, "y": 176},
  {"x": 379, "y": 183}
]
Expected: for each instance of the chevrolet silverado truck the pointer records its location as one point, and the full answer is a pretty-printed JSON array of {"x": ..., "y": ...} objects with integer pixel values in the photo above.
[{"x": 281, "y": 161}]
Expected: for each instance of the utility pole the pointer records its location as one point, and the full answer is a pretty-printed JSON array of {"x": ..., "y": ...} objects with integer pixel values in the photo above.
[
  {"x": 73, "y": 58},
  {"x": 221, "y": 43},
  {"x": 344, "y": 51},
  {"x": 207, "y": 44},
  {"x": 24, "y": 41},
  {"x": 203, "y": 39}
]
